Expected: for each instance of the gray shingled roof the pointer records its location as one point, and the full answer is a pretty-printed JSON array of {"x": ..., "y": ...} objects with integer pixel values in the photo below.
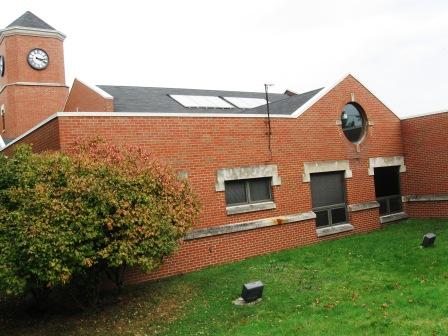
[
  {"x": 29, "y": 20},
  {"x": 151, "y": 99},
  {"x": 287, "y": 106}
]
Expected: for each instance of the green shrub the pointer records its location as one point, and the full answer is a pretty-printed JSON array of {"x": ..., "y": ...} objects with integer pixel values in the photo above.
[{"x": 97, "y": 208}]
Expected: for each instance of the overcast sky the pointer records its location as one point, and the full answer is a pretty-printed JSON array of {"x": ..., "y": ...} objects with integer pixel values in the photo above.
[{"x": 398, "y": 49}]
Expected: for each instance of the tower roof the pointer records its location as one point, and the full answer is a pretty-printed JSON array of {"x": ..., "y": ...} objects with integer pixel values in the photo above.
[{"x": 29, "y": 20}]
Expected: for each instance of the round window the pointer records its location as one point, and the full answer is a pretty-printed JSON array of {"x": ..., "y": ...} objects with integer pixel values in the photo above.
[{"x": 353, "y": 122}]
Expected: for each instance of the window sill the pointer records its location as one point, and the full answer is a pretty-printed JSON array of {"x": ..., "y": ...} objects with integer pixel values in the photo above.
[
  {"x": 243, "y": 208},
  {"x": 393, "y": 217},
  {"x": 330, "y": 230}
]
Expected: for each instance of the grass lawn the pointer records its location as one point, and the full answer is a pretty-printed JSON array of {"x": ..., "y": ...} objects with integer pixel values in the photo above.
[{"x": 375, "y": 284}]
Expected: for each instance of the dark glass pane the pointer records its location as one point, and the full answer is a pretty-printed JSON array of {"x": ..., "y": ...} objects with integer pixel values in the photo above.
[
  {"x": 322, "y": 218},
  {"x": 327, "y": 189},
  {"x": 387, "y": 181},
  {"x": 395, "y": 204},
  {"x": 260, "y": 189},
  {"x": 338, "y": 215},
  {"x": 352, "y": 122},
  {"x": 354, "y": 134},
  {"x": 383, "y": 206},
  {"x": 235, "y": 192}
]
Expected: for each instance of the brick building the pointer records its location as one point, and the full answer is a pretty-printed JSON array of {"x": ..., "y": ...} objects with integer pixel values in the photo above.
[{"x": 322, "y": 164}]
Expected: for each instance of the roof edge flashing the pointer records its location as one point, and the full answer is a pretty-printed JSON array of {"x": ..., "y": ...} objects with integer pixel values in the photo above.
[
  {"x": 17, "y": 30},
  {"x": 318, "y": 96},
  {"x": 31, "y": 130},
  {"x": 424, "y": 114},
  {"x": 328, "y": 88},
  {"x": 171, "y": 114},
  {"x": 95, "y": 89}
]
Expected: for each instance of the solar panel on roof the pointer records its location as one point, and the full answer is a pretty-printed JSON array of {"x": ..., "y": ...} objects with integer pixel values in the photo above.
[
  {"x": 201, "y": 101},
  {"x": 244, "y": 102}
]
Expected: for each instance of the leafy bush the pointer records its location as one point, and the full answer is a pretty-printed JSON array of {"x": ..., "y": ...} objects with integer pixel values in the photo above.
[{"x": 97, "y": 208}]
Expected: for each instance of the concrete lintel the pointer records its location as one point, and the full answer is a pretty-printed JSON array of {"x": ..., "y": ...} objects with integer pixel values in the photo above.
[
  {"x": 388, "y": 161},
  {"x": 425, "y": 198},
  {"x": 393, "y": 217},
  {"x": 243, "y": 208},
  {"x": 250, "y": 225},
  {"x": 241, "y": 173},
  {"x": 324, "y": 167},
  {"x": 363, "y": 206},
  {"x": 330, "y": 230}
]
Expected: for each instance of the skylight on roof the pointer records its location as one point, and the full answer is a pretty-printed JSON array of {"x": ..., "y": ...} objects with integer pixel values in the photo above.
[
  {"x": 244, "y": 102},
  {"x": 201, "y": 101}
]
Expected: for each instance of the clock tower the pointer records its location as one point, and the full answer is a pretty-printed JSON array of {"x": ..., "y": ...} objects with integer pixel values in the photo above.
[{"x": 32, "y": 74}]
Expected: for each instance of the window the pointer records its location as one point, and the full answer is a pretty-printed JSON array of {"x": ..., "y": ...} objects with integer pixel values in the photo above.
[
  {"x": 248, "y": 191},
  {"x": 387, "y": 189},
  {"x": 328, "y": 197},
  {"x": 353, "y": 122}
]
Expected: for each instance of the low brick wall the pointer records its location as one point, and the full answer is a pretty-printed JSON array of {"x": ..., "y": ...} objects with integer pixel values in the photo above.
[{"x": 199, "y": 253}]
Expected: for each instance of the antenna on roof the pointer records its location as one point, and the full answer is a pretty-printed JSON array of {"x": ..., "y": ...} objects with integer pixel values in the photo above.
[{"x": 266, "y": 87}]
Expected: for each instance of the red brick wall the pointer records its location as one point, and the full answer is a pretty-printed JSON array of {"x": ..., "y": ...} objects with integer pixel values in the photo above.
[
  {"x": 199, "y": 253},
  {"x": 82, "y": 98},
  {"x": 45, "y": 138},
  {"x": 426, "y": 148},
  {"x": 201, "y": 146},
  {"x": 16, "y": 49},
  {"x": 28, "y": 105}
]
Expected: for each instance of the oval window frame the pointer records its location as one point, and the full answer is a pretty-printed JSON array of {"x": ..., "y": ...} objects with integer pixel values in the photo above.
[{"x": 365, "y": 123}]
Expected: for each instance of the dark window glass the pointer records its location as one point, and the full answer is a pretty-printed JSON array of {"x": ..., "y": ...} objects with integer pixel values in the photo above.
[
  {"x": 248, "y": 191},
  {"x": 383, "y": 206},
  {"x": 327, "y": 189},
  {"x": 395, "y": 204},
  {"x": 353, "y": 122},
  {"x": 387, "y": 189},
  {"x": 338, "y": 215},
  {"x": 236, "y": 192},
  {"x": 387, "y": 181},
  {"x": 328, "y": 197},
  {"x": 322, "y": 218},
  {"x": 260, "y": 189}
]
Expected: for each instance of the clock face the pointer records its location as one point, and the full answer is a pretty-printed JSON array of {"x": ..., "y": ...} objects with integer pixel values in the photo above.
[
  {"x": 38, "y": 59},
  {"x": 2, "y": 65}
]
